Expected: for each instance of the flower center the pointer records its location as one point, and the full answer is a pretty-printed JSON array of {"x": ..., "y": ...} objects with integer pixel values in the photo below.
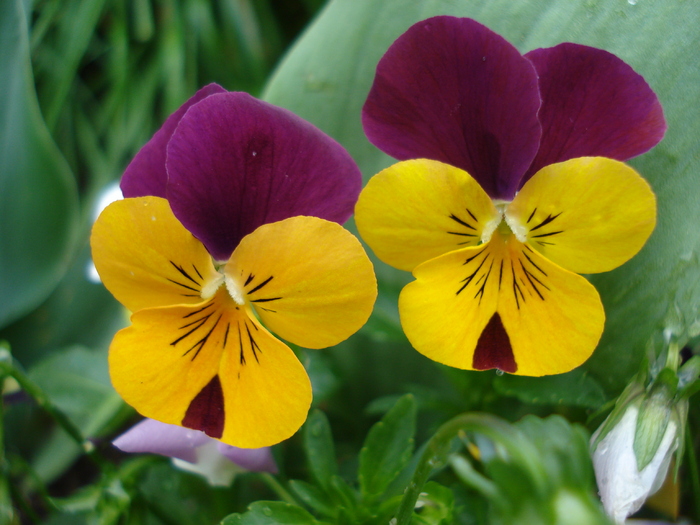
[
  {"x": 505, "y": 224},
  {"x": 234, "y": 289}
]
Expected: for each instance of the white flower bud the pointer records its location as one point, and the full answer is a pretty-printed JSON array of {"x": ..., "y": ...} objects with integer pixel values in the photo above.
[{"x": 623, "y": 487}]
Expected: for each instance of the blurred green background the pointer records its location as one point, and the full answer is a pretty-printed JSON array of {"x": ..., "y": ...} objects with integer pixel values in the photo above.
[{"x": 85, "y": 83}]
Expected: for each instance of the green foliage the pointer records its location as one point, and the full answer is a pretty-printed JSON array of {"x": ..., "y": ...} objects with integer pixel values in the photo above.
[
  {"x": 272, "y": 513},
  {"x": 388, "y": 448},
  {"x": 318, "y": 444},
  {"x": 89, "y": 83},
  {"x": 38, "y": 198}
]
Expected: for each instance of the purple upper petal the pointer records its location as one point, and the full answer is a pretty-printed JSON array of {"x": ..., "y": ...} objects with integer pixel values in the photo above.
[
  {"x": 452, "y": 90},
  {"x": 160, "y": 438},
  {"x": 145, "y": 174},
  {"x": 235, "y": 163},
  {"x": 593, "y": 104},
  {"x": 253, "y": 459}
]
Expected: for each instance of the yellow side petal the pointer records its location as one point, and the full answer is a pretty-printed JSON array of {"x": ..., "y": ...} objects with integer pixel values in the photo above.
[
  {"x": 146, "y": 258},
  {"x": 587, "y": 215},
  {"x": 553, "y": 317},
  {"x": 444, "y": 311},
  {"x": 309, "y": 280},
  {"x": 214, "y": 368},
  {"x": 418, "y": 209}
]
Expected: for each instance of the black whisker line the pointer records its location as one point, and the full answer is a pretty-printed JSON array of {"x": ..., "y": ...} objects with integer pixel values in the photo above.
[
  {"x": 267, "y": 310},
  {"x": 549, "y": 219},
  {"x": 533, "y": 264},
  {"x": 228, "y": 327},
  {"x": 460, "y": 221},
  {"x": 529, "y": 275},
  {"x": 469, "y": 278},
  {"x": 470, "y": 259},
  {"x": 472, "y": 215},
  {"x": 530, "y": 278},
  {"x": 190, "y": 295},
  {"x": 261, "y": 285},
  {"x": 253, "y": 344},
  {"x": 516, "y": 287},
  {"x": 250, "y": 278},
  {"x": 462, "y": 234},
  {"x": 531, "y": 215},
  {"x": 183, "y": 285},
  {"x": 184, "y": 273},
  {"x": 480, "y": 292},
  {"x": 240, "y": 343},
  {"x": 543, "y": 243},
  {"x": 202, "y": 341},
  {"x": 265, "y": 300},
  {"x": 500, "y": 276},
  {"x": 203, "y": 319},
  {"x": 196, "y": 270},
  {"x": 208, "y": 305},
  {"x": 200, "y": 323},
  {"x": 547, "y": 234}
]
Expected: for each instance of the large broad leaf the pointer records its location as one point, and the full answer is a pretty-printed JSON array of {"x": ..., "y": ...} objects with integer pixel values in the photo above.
[
  {"x": 38, "y": 197},
  {"x": 327, "y": 75}
]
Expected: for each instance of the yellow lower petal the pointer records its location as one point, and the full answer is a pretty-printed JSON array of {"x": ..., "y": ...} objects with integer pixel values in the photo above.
[
  {"x": 418, "y": 209},
  {"x": 212, "y": 367},
  {"x": 309, "y": 280},
  {"x": 146, "y": 258},
  {"x": 553, "y": 318},
  {"x": 587, "y": 215},
  {"x": 444, "y": 311}
]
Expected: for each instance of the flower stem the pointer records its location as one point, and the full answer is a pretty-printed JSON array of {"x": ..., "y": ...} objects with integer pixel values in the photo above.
[
  {"x": 7, "y": 369},
  {"x": 6, "y": 512},
  {"x": 439, "y": 448},
  {"x": 277, "y": 488}
]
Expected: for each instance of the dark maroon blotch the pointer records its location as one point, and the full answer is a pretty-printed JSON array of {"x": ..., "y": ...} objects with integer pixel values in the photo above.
[
  {"x": 493, "y": 349},
  {"x": 206, "y": 411}
]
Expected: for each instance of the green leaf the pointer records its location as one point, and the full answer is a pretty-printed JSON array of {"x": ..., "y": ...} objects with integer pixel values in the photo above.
[
  {"x": 576, "y": 388},
  {"x": 318, "y": 445},
  {"x": 38, "y": 197},
  {"x": 388, "y": 448},
  {"x": 272, "y": 513},
  {"x": 327, "y": 75},
  {"x": 313, "y": 497},
  {"x": 77, "y": 382},
  {"x": 435, "y": 505}
]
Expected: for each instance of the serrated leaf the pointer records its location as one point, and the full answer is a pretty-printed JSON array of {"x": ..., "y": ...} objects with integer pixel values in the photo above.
[
  {"x": 38, "y": 197},
  {"x": 327, "y": 76},
  {"x": 388, "y": 448},
  {"x": 318, "y": 445},
  {"x": 576, "y": 388},
  {"x": 272, "y": 513}
]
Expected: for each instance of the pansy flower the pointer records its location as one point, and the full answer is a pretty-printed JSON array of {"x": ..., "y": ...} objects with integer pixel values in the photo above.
[
  {"x": 515, "y": 186},
  {"x": 229, "y": 229}
]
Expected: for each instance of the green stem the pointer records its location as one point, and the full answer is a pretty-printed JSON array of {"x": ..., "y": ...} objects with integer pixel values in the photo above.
[
  {"x": 6, "y": 512},
  {"x": 438, "y": 450},
  {"x": 31, "y": 388},
  {"x": 277, "y": 488}
]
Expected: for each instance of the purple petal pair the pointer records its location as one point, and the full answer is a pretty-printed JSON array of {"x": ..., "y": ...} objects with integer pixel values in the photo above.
[
  {"x": 452, "y": 90},
  {"x": 228, "y": 163},
  {"x": 154, "y": 437}
]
